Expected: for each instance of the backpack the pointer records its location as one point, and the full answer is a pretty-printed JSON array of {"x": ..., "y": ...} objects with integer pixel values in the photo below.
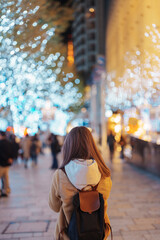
[{"x": 87, "y": 220}]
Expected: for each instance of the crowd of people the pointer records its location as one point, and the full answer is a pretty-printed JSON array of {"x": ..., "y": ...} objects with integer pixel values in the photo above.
[
  {"x": 30, "y": 148},
  {"x": 26, "y": 149}
]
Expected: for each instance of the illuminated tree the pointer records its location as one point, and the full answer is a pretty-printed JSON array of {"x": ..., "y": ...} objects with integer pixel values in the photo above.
[
  {"x": 33, "y": 64},
  {"x": 140, "y": 82}
]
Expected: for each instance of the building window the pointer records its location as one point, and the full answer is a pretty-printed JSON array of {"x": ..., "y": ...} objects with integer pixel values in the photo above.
[
  {"x": 90, "y": 3},
  {"x": 91, "y": 47},
  {"x": 92, "y": 58},
  {"x": 91, "y": 36},
  {"x": 91, "y": 25}
]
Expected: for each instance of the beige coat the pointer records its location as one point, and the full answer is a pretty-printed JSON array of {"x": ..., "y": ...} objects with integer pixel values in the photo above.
[
  {"x": 60, "y": 200},
  {"x": 26, "y": 144}
]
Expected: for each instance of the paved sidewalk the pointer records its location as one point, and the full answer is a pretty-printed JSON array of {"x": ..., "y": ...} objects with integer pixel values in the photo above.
[{"x": 134, "y": 204}]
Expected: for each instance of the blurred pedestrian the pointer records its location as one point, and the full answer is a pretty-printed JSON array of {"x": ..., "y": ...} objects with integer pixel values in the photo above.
[
  {"x": 83, "y": 168},
  {"x": 20, "y": 151},
  {"x": 35, "y": 148},
  {"x": 111, "y": 144},
  {"x": 26, "y": 144},
  {"x": 6, "y": 159},
  {"x": 122, "y": 142},
  {"x": 15, "y": 147},
  {"x": 43, "y": 139},
  {"x": 55, "y": 149}
]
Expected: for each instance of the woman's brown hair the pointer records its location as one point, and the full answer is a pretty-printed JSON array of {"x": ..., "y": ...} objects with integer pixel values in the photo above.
[{"x": 79, "y": 144}]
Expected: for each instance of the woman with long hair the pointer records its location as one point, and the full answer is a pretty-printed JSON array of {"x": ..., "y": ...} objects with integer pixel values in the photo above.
[{"x": 82, "y": 167}]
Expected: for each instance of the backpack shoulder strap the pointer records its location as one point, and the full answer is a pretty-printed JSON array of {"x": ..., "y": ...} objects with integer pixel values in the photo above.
[
  {"x": 110, "y": 230},
  {"x": 63, "y": 169},
  {"x": 92, "y": 187}
]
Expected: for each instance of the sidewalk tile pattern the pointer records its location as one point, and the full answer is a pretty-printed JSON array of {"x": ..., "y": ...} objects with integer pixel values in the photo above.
[{"x": 133, "y": 205}]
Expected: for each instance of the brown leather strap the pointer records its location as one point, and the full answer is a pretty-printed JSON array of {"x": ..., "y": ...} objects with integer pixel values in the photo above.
[
  {"x": 110, "y": 229},
  {"x": 93, "y": 188},
  {"x": 63, "y": 169}
]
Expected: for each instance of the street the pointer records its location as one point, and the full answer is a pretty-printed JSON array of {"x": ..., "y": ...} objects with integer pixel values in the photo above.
[{"x": 134, "y": 203}]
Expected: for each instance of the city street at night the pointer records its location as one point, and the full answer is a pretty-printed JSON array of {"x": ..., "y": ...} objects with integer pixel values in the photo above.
[
  {"x": 78, "y": 76},
  {"x": 134, "y": 203}
]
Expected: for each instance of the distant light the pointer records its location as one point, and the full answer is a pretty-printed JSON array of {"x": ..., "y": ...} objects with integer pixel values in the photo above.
[
  {"x": 79, "y": 95},
  {"x": 146, "y": 34},
  {"x": 70, "y": 53},
  {"x": 14, "y": 43},
  {"x": 91, "y": 10},
  {"x": 44, "y": 41},
  {"x": 108, "y": 113},
  {"x": 50, "y": 33},
  {"x": 58, "y": 70},
  {"x": 22, "y": 46},
  {"x": 133, "y": 62},
  {"x": 154, "y": 40},
  {"x": 37, "y": 38},
  {"x": 117, "y": 128},
  {"x": 2, "y": 85},
  {"x": 138, "y": 52},
  {"x": 58, "y": 54},
  {"x": 35, "y": 9},
  {"x": 77, "y": 81},
  {"x": 59, "y": 64},
  {"x": 34, "y": 45},
  {"x": 117, "y": 119},
  {"x": 127, "y": 128},
  {"x": 83, "y": 110},
  {"x": 112, "y": 84},
  {"x": 42, "y": 57},
  {"x": 65, "y": 79},
  {"x": 62, "y": 58},
  {"x": 44, "y": 26},
  {"x": 12, "y": 52},
  {"x": 17, "y": 49},
  {"x": 34, "y": 24}
]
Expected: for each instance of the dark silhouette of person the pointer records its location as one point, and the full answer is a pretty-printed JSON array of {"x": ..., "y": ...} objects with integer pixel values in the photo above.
[
  {"x": 55, "y": 149},
  {"x": 122, "y": 142},
  {"x": 15, "y": 147},
  {"x": 35, "y": 148},
  {"x": 111, "y": 144},
  {"x": 26, "y": 144},
  {"x": 6, "y": 159}
]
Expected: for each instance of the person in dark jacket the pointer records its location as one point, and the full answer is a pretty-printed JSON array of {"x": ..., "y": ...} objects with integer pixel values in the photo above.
[
  {"x": 15, "y": 147},
  {"x": 122, "y": 142},
  {"x": 35, "y": 148},
  {"x": 55, "y": 149},
  {"x": 25, "y": 145},
  {"x": 5, "y": 161},
  {"x": 111, "y": 144}
]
